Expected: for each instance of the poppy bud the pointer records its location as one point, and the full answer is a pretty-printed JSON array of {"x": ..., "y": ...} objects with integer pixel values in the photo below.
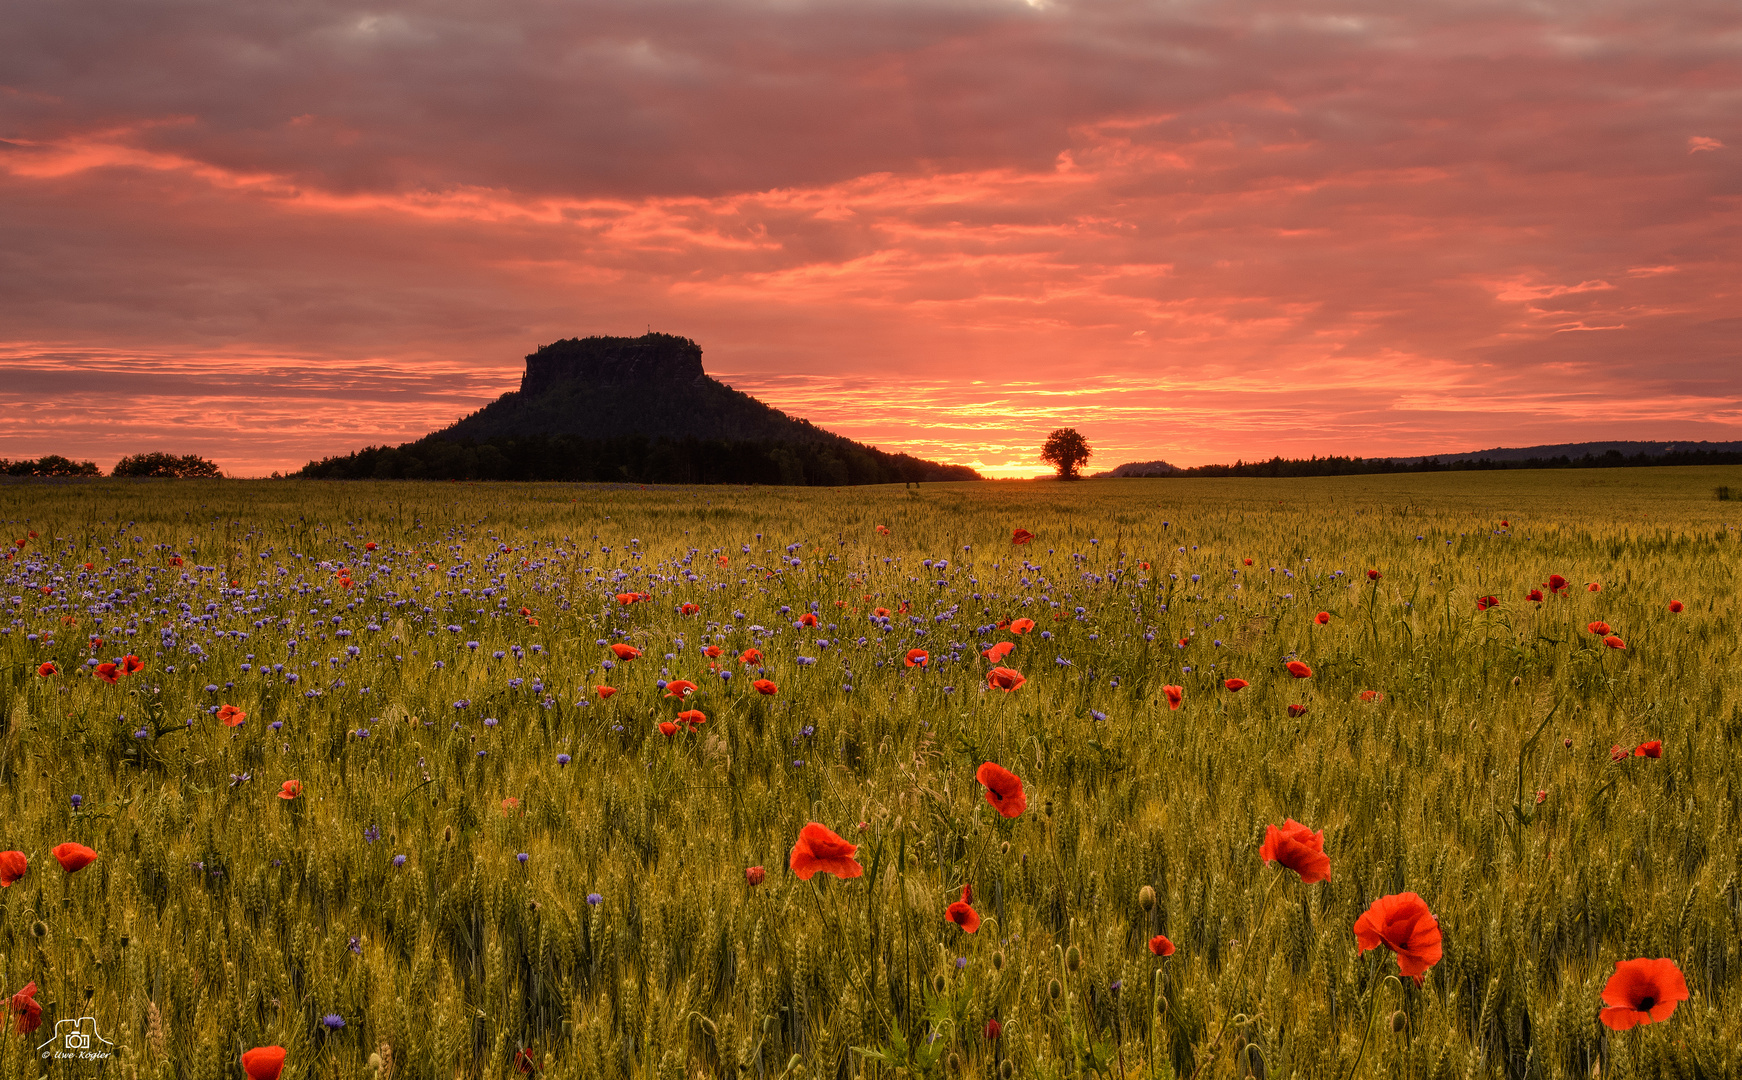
[
  {"x": 998, "y": 960},
  {"x": 1146, "y": 898},
  {"x": 1004, "y": 848},
  {"x": 448, "y": 835},
  {"x": 955, "y": 1064},
  {"x": 708, "y": 1026},
  {"x": 1517, "y": 680},
  {"x": 1568, "y": 743},
  {"x": 39, "y": 929},
  {"x": 1049, "y": 808},
  {"x": 375, "y": 1063},
  {"x": 1073, "y": 959},
  {"x": 1053, "y": 989},
  {"x": 937, "y": 984},
  {"x": 1005, "y": 1070},
  {"x": 1399, "y": 1021}
]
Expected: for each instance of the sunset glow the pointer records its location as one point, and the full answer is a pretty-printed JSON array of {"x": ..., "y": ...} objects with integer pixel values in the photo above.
[{"x": 1195, "y": 232}]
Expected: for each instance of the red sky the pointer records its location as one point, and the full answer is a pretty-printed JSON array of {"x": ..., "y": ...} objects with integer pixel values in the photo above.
[{"x": 1194, "y": 231}]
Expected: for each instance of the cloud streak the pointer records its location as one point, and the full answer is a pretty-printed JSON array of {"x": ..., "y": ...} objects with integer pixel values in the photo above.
[{"x": 1200, "y": 232}]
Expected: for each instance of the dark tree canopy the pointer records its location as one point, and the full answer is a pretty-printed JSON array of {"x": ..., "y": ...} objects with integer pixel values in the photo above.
[
  {"x": 1067, "y": 451},
  {"x": 166, "y": 465},
  {"x": 50, "y": 465}
]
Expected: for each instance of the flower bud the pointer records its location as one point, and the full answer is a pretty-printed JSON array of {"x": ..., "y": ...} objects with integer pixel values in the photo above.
[
  {"x": 998, "y": 960},
  {"x": 1146, "y": 898},
  {"x": 937, "y": 984},
  {"x": 1073, "y": 959},
  {"x": 1004, "y": 848},
  {"x": 1517, "y": 681},
  {"x": 1399, "y": 1021},
  {"x": 1005, "y": 1070},
  {"x": 1053, "y": 989}
]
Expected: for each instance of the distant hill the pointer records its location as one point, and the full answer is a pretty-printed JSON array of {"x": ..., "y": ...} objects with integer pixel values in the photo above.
[
  {"x": 1574, "y": 451},
  {"x": 1137, "y": 468},
  {"x": 641, "y": 410}
]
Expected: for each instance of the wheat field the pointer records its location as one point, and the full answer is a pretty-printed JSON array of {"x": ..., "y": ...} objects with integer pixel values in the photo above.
[{"x": 431, "y": 846}]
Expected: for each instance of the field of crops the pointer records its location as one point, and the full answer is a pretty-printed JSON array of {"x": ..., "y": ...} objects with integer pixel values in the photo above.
[{"x": 410, "y": 780}]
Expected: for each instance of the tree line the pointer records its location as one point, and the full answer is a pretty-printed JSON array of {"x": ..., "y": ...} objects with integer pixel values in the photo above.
[{"x": 634, "y": 459}]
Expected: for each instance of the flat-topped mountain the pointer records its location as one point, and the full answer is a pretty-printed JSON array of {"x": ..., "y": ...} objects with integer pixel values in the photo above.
[{"x": 636, "y": 409}]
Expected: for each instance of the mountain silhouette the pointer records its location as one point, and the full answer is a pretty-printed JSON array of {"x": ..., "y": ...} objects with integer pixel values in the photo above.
[{"x": 633, "y": 409}]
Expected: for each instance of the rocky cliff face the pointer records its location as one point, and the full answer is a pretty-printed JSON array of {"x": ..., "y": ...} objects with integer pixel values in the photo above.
[{"x": 651, "y": 359}]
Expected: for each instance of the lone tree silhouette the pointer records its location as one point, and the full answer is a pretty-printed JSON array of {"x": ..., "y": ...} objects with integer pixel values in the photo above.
[{"x": 1067, "y": 451}]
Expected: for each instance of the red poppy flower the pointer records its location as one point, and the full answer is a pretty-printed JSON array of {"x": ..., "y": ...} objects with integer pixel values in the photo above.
[
  {"x": 1021, "y": 536},
  {"x": 820, "y": 849},
  {"x": 131, "y": 664},
  {"x": 993, "y": 1030},
  {"x": 1160, "y": 946},
  {"x": 1483, "y": 603},
  {"x": 291, "y": 789},
  {"x": 109, "y": 673},
  {"x": 754, "y": 875},
  {"x": 998, "y": 651},
  {"x": 625, "y": 652},
  {"x": 711, "y": 651},
  {"x": 724, "y": 560},
  {"x": 628, "y": 597},
  {"x": 1298, "y": 848},
  {"x": 1403, "y": 924},
  {"x": 1175, "y": 695},
  {"x": 1599, "y": 628},
  {"x": 1653, "y": 749},
  {"x": 917, "y": 657},
  {"x": 1005, "y": 679},
  {"x": 231, "y": 716},
  {"x": 667, "y": 728},
  {"x": 882, "y": 530},
  {"x": 604, "y": 691},
  {"x": 1592, "y": 586},
  {"x": 1556, "y": 583},
  {"x": 73, "y": 857},
  {"x": 750, "y": 656},
  {"x": 1614, "y": 642},
  {"x": 175, "y": 560},
  {"x": 524, "y": 1063},
  {"x": 47, "y": 669},
  {"x": 1616, "y": 753},
  {"x": 765, "y": 687},
  {"x": 1248, "y": 562},
  {"x": 1675, "y": 606},
  {"x": 679, "y": 688},
  {"x": 1322, "y": 618},
  {"x": 1374, "y": 575},
  {"x": 1372, "y": 695},
  {"x": 1003, "y": 789},
  {"x": 1299, "y": 670},
  {"x": 1504, "y": 524},
  {"x": 881, "y": 613},
  {"x": 963, "y": 915},
  {"x": 689, "y": 609},
  {"x": 1534, "y": 596},
  {"x": 809, "y": 618},
  {"x": 509, "y": 805},
  {"x": 13, "y": 865},
  {"x": 1235, "y": 685},
  {"x": 1297, "y": 710},
  {"x": 25, "y": 1008},
  {"x": 263, "y": 1062},
  {"x": 694, "y": 718},
  {"x": 1642, "y": 992},
  {"x": 1021, "y": 626}
]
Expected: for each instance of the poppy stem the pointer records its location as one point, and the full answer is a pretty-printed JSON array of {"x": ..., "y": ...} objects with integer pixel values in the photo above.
[
  {"x": 1372, "y": 1012},
  {"x": 1251, "y": 940}
]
